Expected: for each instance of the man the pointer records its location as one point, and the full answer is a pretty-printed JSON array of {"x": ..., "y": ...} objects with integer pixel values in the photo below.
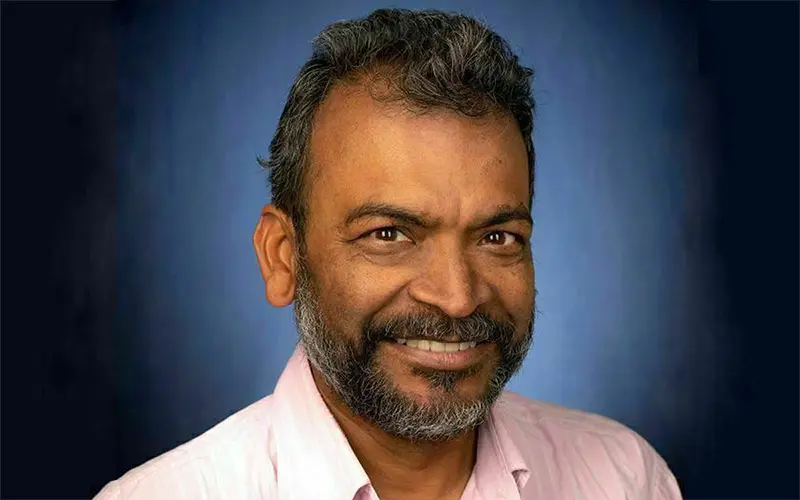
[{"x": 402, "y": 178}]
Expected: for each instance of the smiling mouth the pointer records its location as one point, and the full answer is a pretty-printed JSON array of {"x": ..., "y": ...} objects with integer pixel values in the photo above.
[
  {"x": 434, "y": 346},
  {"x": 434, "y": 355}
]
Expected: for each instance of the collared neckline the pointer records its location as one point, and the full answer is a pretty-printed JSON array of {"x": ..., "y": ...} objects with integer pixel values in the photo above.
[
  {"x": 315, "y": 459},
  {"x": 501, "y": 469}
]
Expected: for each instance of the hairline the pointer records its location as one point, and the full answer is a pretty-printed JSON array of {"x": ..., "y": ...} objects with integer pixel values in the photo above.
[{"x": 392, "y": 101}]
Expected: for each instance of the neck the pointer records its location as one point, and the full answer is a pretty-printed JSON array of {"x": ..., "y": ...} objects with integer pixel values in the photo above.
[{"x": 398, "y": 468}]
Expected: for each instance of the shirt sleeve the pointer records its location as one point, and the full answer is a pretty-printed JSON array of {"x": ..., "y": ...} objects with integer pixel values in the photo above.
[
  {"x": 109, "y": 492},
  {"x": 665, "y": 485},
  {"x": 660, "y": 483}
]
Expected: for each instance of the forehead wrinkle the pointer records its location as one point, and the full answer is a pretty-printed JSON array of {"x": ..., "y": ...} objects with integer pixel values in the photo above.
[
  {"x": 343, "y": 125},
  {"x": 501, "y": 213}
]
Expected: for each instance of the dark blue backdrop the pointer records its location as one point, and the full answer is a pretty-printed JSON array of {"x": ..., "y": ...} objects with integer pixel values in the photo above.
[
  {"x": 666, "y": 301},
  {"x": 623, "y": 211}
]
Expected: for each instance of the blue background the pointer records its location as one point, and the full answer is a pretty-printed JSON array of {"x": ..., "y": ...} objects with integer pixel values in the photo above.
[
  {"x": 621, "y": 138},
  {"x": 133, "y": 313}
]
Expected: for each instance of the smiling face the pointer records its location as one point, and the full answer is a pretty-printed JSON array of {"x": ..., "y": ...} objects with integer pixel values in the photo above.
[{"x": 418, "y": 228}]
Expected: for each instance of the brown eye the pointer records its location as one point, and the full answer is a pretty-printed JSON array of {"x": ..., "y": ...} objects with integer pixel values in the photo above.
[
  {"x": 500, "y": 238},
  {"x": 496, "y": 237},
  {"x": 388, "y": 234}
]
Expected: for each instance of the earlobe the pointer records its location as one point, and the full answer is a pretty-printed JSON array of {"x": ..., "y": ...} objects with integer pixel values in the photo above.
[{"x": 275, "y": 249}]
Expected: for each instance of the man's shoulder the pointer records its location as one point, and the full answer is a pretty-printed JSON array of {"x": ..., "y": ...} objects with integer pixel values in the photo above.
[
  {"x": 566, "y": 427},
  {"x": 607, "y": 448},
  {"x": 229, "y": 457},
  {"x": 527, "y": 413}
]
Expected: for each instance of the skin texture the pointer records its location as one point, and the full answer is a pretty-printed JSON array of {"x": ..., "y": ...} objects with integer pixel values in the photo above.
[{"x": 451, "y": 170}]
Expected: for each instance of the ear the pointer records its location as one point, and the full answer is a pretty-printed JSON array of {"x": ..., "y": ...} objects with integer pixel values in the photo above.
[{"x": 275, "y": 248}]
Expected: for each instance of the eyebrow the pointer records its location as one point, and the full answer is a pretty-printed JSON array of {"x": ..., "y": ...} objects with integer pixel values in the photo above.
[
  {"x": 501, "y": 215},
  {"x": 505, "y": 213}
]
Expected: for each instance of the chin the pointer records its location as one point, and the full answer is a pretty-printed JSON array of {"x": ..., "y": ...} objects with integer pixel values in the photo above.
[{"x": 442, "y": 386}]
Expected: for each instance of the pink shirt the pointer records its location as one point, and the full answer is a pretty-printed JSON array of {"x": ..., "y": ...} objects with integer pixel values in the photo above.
[{"x": 289, "y": 446}]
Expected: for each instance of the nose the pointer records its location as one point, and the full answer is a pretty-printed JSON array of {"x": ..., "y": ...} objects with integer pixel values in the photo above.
[{"x": 449, "y": 283}]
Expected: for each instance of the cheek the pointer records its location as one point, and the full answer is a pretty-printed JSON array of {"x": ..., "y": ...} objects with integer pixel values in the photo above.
[
  {"x": 516, "y": 292},
  {"x": 350, "y": 295}
]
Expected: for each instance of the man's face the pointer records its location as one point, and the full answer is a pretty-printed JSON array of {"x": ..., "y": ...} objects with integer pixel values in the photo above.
[{"x": 416, "y": 231}]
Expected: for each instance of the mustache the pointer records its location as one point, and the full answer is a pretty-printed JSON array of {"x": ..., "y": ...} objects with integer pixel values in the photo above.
[{"x": 477, "y": 327}]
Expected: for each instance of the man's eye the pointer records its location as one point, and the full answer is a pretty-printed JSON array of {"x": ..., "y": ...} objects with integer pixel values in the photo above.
[
  {"x": 502, "y": 238},
  {"x": 388, "y": 234}
]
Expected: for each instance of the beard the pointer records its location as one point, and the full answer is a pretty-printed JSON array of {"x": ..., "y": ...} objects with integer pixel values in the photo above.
[{"x": 351, "y": 368}]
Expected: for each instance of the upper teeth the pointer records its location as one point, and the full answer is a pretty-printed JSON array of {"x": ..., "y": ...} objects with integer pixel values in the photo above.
[{"x": 431, "y": 345}]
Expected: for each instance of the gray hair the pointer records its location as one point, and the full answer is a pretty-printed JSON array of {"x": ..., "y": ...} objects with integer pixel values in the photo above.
[{"x": 430, "y": 59}]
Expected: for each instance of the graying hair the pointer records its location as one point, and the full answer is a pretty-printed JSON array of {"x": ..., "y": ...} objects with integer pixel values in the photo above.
[{"x": 430, "y": 59}]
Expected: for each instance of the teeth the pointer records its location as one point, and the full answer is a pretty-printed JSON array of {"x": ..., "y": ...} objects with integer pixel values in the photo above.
[{"x": 431, "y": 345}]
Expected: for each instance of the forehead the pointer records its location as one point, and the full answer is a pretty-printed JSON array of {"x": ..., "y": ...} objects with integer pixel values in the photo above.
[{"x": 365, "y": 150}]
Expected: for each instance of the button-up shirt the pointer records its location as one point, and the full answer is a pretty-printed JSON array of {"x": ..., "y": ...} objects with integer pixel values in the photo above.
[{"x": 289, "y": 446}]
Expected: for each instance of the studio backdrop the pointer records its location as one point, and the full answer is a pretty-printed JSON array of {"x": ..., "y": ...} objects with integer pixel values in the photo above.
[
  {"x": 622, "y": 211},
  {"x": 665, "y": 237}
]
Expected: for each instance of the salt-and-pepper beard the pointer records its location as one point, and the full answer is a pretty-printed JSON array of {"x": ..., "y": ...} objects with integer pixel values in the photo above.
[{"x": 351, "y": 369}]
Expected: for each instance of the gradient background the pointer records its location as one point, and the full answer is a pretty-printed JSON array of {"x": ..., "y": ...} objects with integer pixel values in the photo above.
[{"x": 666, "y": 236}]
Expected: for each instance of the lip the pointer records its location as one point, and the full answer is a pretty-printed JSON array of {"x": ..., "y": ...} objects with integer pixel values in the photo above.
[{"x": 452, "y": 361}]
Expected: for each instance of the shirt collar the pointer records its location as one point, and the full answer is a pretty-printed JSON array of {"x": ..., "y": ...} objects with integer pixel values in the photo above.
[
  {"x": 315, "y": 459},
  {"x": 501, "y": 463}
]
